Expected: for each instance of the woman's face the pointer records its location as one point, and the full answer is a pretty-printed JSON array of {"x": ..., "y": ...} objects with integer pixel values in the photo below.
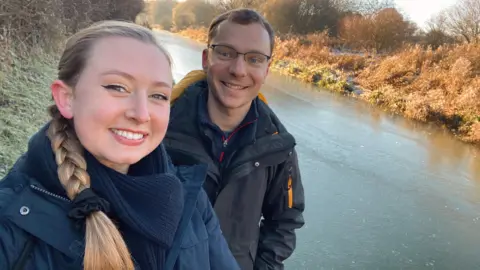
[{"x": 120, "y": 104}]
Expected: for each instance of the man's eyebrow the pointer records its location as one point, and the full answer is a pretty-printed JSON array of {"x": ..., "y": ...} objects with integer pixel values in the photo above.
[
  {"x": 130, "y": 77},
  {"x": 256, "y": 51}
]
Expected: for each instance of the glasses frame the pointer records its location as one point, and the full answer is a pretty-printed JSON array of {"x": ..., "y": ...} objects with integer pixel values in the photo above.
[{"x": 212, "y": 46}]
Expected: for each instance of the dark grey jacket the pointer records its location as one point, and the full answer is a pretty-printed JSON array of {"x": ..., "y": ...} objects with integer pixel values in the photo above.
[{"x": 259, "y": 180}]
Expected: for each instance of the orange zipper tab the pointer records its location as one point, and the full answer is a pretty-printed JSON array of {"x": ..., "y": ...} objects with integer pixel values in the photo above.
[{"x": 290, "y": 192}]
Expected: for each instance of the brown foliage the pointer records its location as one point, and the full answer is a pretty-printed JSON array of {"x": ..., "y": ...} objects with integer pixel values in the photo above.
[
  {"x": 441, "y": 85},
  {"x": 357, "y": 32},
  {"x": 43, "y": 23},
  {"x": 317, "y": 49},
  {"x": 199, "y": 34},
  {"x": 385, "y": 30}
]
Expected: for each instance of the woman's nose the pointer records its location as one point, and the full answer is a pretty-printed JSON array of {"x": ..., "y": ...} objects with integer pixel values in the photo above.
[{"x": 139, "y": 108}]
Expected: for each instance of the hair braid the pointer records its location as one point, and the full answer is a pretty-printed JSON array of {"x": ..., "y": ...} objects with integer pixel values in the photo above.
[{"x": 105, "y": 248}]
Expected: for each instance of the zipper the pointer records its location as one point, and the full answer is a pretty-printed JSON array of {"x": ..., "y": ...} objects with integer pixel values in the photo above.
[
  {"x": 49, "y": 193},
  {"x": 226, "y": 140},
  {"x": 290, "y": 192},
  {"x": 225, "y": 144}
]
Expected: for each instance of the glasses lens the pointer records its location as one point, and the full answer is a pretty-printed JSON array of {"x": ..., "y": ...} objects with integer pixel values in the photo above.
[
  {"x": 256, "y": 58},
  {"x": 225, "y": 52}
]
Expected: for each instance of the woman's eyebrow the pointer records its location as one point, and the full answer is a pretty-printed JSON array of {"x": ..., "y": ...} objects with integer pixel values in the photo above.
[
  {"x": 118, "y": 72},
  {"x": 130, "y": 77}
]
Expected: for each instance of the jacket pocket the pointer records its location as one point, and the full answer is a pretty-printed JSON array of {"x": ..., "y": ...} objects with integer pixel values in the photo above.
[
  {"x": 253, "y": 250},
  {"x": 194, "y": 248},
  {"x": 195, "y": 233}
]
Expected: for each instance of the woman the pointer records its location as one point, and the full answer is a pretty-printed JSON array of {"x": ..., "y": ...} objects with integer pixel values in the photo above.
[{"x": 95, "y": 190}]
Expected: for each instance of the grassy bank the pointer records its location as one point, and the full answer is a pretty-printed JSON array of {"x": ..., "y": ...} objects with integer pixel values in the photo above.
[
  {"x": 24, "y": 97},
  {"x": 441, "y": 86}
]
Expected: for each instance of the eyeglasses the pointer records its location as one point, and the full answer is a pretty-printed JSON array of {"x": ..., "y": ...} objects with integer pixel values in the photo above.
[{"x": 228, "y": 53}]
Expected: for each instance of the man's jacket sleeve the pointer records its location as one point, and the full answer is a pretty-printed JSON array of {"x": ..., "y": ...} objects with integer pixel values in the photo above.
[{"x": 282, "y": 214}]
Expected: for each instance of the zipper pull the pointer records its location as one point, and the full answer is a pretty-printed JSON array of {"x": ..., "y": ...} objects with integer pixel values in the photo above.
[
  {"x": 290, "y": 192},
  {"x": 225, "y": 143}
]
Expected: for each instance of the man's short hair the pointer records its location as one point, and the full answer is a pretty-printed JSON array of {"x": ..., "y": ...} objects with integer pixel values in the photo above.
[{"x": 243, "y": 16}]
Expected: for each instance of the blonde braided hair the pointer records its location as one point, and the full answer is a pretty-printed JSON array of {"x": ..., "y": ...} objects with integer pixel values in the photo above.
[{"x": 105, "y": 248}]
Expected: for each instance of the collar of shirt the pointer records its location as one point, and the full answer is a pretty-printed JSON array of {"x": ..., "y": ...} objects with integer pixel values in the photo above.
[{"x": 248, "y": 126}]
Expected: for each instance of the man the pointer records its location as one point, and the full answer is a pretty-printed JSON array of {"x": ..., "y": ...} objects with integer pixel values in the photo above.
[{"x": 218, "y": 117}]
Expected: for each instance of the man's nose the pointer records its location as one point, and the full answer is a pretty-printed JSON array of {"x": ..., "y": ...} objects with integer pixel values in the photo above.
[
  {"x": 139, "y": 108},
  {"x": 238, "y": 67}
]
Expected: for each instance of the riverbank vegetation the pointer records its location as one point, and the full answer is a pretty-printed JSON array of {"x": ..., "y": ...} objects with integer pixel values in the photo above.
[
  {"x": 31, "y": 32},
  {"x": 367, "y": 49}
]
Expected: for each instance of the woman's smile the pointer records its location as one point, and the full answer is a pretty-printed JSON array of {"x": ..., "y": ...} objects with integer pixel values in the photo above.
[{"x": 129, "y": 137}]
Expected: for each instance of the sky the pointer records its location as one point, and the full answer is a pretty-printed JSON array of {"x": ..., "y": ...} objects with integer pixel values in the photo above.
[{"x": 420, "y": 11}]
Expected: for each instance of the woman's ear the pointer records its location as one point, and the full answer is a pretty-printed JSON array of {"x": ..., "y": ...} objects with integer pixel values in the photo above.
[{"x": 63, "y": 96}]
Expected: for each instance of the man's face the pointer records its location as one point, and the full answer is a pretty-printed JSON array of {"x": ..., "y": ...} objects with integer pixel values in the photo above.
[{"x": 235, "y": 81}]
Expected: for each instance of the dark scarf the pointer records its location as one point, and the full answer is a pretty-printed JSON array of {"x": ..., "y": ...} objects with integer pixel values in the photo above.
[{"x": 147, "y": 203}]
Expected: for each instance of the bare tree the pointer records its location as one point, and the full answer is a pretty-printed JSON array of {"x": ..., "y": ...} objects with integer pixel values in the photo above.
[
  {"x": 322, "y": 15},
  {"x": 162, "y": 13},
  {"x": 463, "y": 20},
  {"x": 224, "y": 5},
  {"x": 344, "y": 5},
  {"x": 192, "y": 13},
  {"x": 303, "y": 16},
  {"x": 437, "y": 22},
  {"x": 372, "y": 6},
  {"x": 437, "y": 31}
]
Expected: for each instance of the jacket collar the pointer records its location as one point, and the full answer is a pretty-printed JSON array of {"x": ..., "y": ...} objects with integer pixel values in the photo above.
[
  {"x": 44, "y": 215},
  {"x": 184, "y": 111},
  {"x": 33, "y": 204},
  {"x": 247, "y": 126}
]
